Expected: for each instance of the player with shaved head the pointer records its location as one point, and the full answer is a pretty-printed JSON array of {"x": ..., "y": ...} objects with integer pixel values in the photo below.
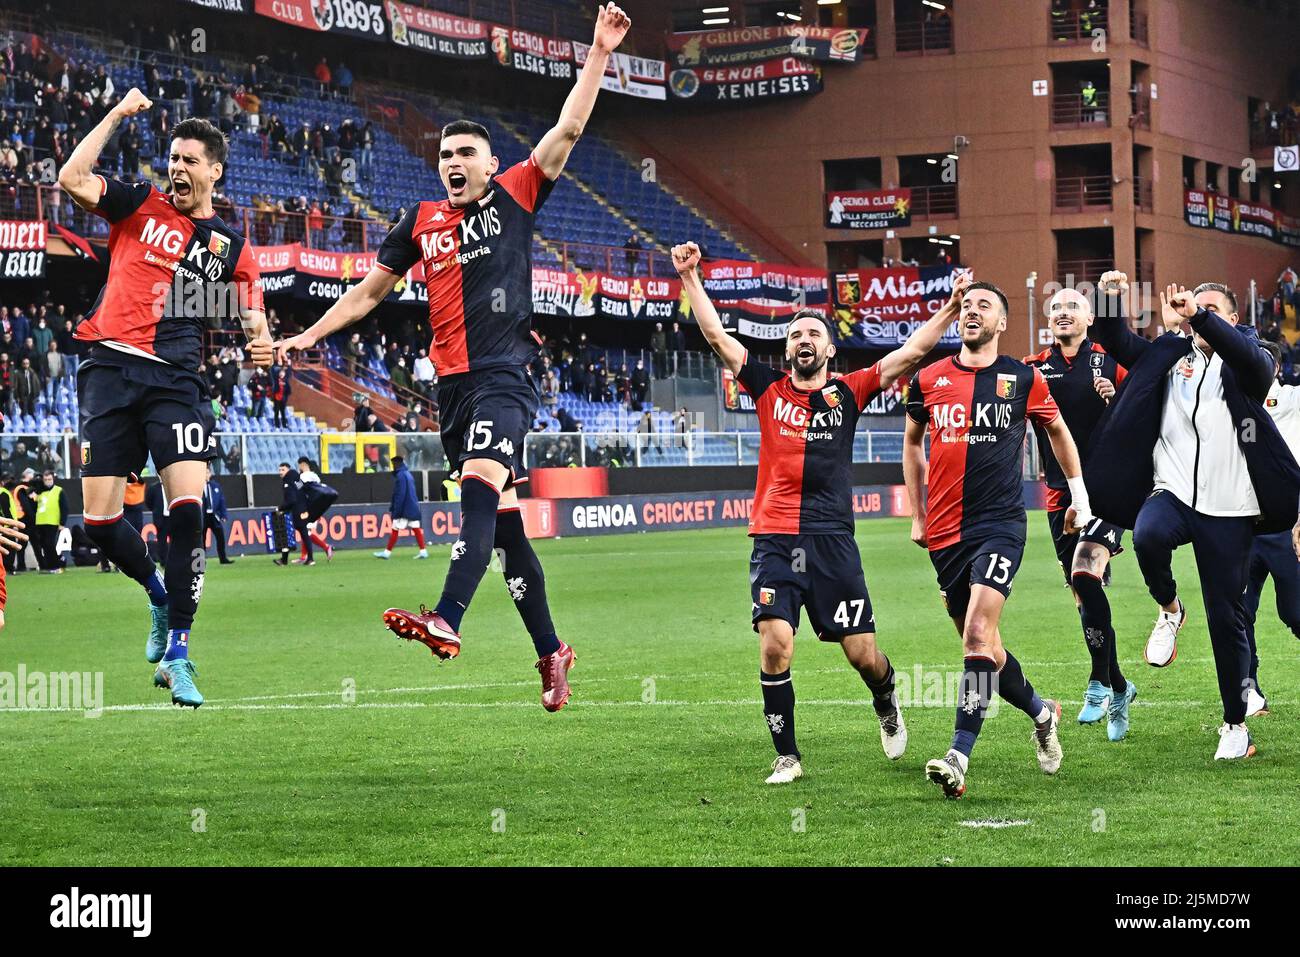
[
  {"x": 802, "y": 518},
  {"x": 974, "y": 406},
  {"x": 1082, "y": 378}
]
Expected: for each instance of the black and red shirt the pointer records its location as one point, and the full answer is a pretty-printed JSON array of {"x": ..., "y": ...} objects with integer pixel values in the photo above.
[
  {"x": 478, "y": 270},
  {"x": 805, "y": 451},
  {"x": 976, "y": 420},
  {"x": 169, "y": 273},
  {"x": 1070, "y": 380}
]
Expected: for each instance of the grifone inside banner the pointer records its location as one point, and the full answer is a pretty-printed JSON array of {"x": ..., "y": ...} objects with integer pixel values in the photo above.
[{"x": 751, "y": 44}]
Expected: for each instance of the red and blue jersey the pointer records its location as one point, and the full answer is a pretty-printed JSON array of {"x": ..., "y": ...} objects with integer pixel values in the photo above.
[
  {"x": 805, "y": 451},
  {"x": 169, "y": 273},
  {"x": 478, "y": 269},
  {"x": 976, "y": 425}
]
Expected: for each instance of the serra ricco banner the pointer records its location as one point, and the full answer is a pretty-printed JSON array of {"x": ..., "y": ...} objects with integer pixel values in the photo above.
[
  {"x": 881, "y": 308},
  {"x": 869, "y": 208},
  {"x": 767, "y": 80},
  {"x": 22, "y": 249},
  {"x": 1206, "y": 210},
  {"x": 433, "y": 31},
  {"x": 749, "y": 45}
]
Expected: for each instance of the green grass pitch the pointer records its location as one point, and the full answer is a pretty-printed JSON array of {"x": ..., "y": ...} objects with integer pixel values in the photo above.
[{"x": 458, "y": 764}]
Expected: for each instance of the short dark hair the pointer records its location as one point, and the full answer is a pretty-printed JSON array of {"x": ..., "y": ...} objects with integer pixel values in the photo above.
[
  {"x": 284, "y": 465},
  {"x": 397, "y": 460},
  {"x": 459, "y": 127},
  {"x": 811, "y": 314},
  {"x": 215, "y": 144},
  {"x": 1219, "y": 288},
  {"x": 303, "y": 460},
  {"x": 1273, "y": 349},
  {"x": 1002, "y": 296}
]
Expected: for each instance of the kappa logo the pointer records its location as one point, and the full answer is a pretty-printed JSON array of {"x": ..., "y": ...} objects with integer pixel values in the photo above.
[
  {"x": 943, "y": 380},
  {"x": 1110, "y": 536},
  {"x": 439, "y": 218},
  {"x": 457, "y": 550}
]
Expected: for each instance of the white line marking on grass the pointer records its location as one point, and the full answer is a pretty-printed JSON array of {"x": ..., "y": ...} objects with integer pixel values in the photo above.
[{"x": 995, "y": 822}]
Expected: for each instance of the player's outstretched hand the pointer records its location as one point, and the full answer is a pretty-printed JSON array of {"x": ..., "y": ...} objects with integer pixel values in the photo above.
[
  {"x": 1105, "y": 388},
  {"x": 685, "y": 258},
  {"x": 1113, "y": 281},
  {"x": 12, "y": 538},
  {"x": 612, "y": 25},
  {"x": 134, "y": 102},
  {"x": 918, "y": 532},
  {"x": 294, "y": 343},
  {"x": 262, "y": 351}
]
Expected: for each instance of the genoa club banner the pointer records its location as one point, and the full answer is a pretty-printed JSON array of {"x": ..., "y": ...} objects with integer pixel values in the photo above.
[
  {"x": 869, "y": 208},
  {"x": 581, "y": 294},
  {"x": 354, "y": 18},
  {"x": 722, "y": 47},
  {"x": 881, "y": 308},
  {"x": 770, "y": 79},
  {"x": 759, "y": 299},
  {"x": 433, "y": 31},
  {"x": 223, "y": 6},
  {"x": 533, "y": 53},
  {"x": 22, "y": 249},
  {"x": 1206, "y": 210},
  {"x": 629, "y": 75}
]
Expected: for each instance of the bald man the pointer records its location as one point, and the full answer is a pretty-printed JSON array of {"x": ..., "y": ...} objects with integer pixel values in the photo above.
[{"x": 1082, "y": 378}]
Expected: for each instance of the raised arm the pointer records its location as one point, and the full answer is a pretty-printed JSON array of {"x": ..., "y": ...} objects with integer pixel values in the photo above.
[
  {"x": 686, "y": 258},
  {"x": 904, "y": 360},
  {"x": 1251, "y": 364},
  {"x": 353, "y": 306},
  {"x": 1110, "y": 324},
  {"x": 553, "y": 150},
  {"x": 77, "y": 178},
  {"x": 914, "y": 477}
]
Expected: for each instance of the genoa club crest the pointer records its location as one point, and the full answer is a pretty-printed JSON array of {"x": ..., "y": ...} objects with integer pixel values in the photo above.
[
  {"x": 766, "y": 596},
  {"x": 832, "y": 396},
  {"x": 218, "y": 245},
  {"x": 1006, "y": 386}
]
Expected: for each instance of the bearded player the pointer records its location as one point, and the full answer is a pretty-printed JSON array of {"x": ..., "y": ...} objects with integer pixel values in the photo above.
[
  {"x": 802, "y": 518},
  {"x": 1082, "y": 377},
  {"x": 974, "y": 406},
  {"x": 476, "y": 248},
  {"x": 138, "y": 387}
]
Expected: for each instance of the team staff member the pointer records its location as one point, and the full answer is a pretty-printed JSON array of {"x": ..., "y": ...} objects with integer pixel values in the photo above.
[
  {"x": 317, "y": 497},
  {"x": 25, "y": 493},
  {"x": 404, "y": 510},
  {"x": 215, "y": 515},
  {"x": 51, "y": 516},
  {"x": 1180, "y": 469}
]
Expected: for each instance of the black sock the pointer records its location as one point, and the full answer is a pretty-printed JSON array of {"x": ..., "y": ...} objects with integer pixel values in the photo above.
[
  {"x": 186, "y": 563},
  {"x": 1016, "y": 689},
  {"x": 882, "y": 691},
  {"x": 1098, "y": 633},
  {"x": 472, "y": 551},
  {"x": 778, "y": 709},
  {"x": 525, "y": 580},
  {"x": 973, "y": 696},
  {"x": 121, "y": 544}
]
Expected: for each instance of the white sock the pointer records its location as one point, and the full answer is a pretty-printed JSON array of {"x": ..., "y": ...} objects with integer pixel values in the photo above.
[
  {"x": 962, "y": 761},
  {"x": 1043, "y": 715}
]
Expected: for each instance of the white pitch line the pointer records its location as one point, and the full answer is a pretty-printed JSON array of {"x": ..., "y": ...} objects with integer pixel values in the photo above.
[{"x": 995, "y": 822}]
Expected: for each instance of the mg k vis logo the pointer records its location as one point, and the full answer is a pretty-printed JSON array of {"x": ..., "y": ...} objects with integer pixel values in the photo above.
[
  {"x": 952, "y": 418},
  {"x": 472, "y": 229},
  {"x": 200, "y": 260},
  {"x": 805, "y": 422}
]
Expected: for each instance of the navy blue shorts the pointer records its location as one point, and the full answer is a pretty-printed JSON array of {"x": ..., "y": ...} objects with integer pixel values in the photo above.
[
  {"x": 486, "y": 415},
  {"x": 992, "y": 560},
  {"x": 133, "y": 408},
  {"x": 822, "y": 573}
]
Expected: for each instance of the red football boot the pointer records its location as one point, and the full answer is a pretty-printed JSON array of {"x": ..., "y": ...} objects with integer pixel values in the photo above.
[
  {"x": 554, "y": 669},
  {"x": 427, "y": 627}
]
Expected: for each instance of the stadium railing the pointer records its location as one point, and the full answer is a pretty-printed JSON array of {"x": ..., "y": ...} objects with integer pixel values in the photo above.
[
  {"x": 1070, "y": 112},
  {"x": 1076, "y": 26},
  {"x": 1078, "y": 194}
]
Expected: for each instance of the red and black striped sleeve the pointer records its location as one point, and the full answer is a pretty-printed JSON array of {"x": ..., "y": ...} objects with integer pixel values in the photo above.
[
  {"x": 527, "y": 184},
  {"x": 756, "y": 376},
  {"x": 118, "y": 200},
  {"x": 399, "y": 251}
]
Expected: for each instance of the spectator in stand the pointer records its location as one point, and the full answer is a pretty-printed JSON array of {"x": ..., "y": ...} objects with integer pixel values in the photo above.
[
  {"x": 567, "y": 422},
  {"x": 281, "y": 389},
  {"x": 550, "y": 389},
  {"x": 53, "y": 362},
  {"x": 366, "y": 151},
  {"x": 42, "y": 334},
  {"x": 27, "y": 386},
  {"x": 633, "y": 253},
  {"x": 677, "y": 342},
  {"x": 400, "y": 377},
  {"x": 323, "y": 77},
  {"x": 343, "y": 81},
  {"x": 659, "y": 348},
  {"x": 6, "y": 382},
  {"x": 160, "y": 124},
  {"x": 178, "y": 92},
  {"x": 640, "y": 385},
  {"x": 131, "y": 146}
]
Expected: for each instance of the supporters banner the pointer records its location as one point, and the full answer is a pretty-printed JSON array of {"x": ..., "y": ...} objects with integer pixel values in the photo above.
[
  {"x": 880, "y": 308},
  {"x": 578, "y": 294},
  {"x": 1288, "y": 230},
  {"x": 1221, "y": 212},
  {"x": 222, "y": 6},
  {"x": 770, "y": 79},
  {"x": 353, "y": 18},
  {"x": 759, "y": 299},
  {"x": 723, "y": 47},
  {"x": 533, "y": 53},
  {"x": 629, "y": 75},
  {"x": 22, "y": 249},
  {"x": 734, "y": 396},
  {"x": 276, "y": 267},
  {"x": 869, "y": 208},
  {"x": 442, "y": 34},
  {"x": 1196, "y": 208},
  {"x": 1254, "y": 220}
]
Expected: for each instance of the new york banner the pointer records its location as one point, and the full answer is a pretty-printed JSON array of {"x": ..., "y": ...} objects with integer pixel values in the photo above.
[
  {"x": 869, "y": 208},
  {"x": 354, "y": 18},
  {"x": 770, "y": 79},
  {"x": 881, "y": 308},
  {"x": 749, "y": 45},
  {"x": 433, "y": 31},
  {"x": 629, "y": 75},
  {"x": 533, "y": 53}
]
